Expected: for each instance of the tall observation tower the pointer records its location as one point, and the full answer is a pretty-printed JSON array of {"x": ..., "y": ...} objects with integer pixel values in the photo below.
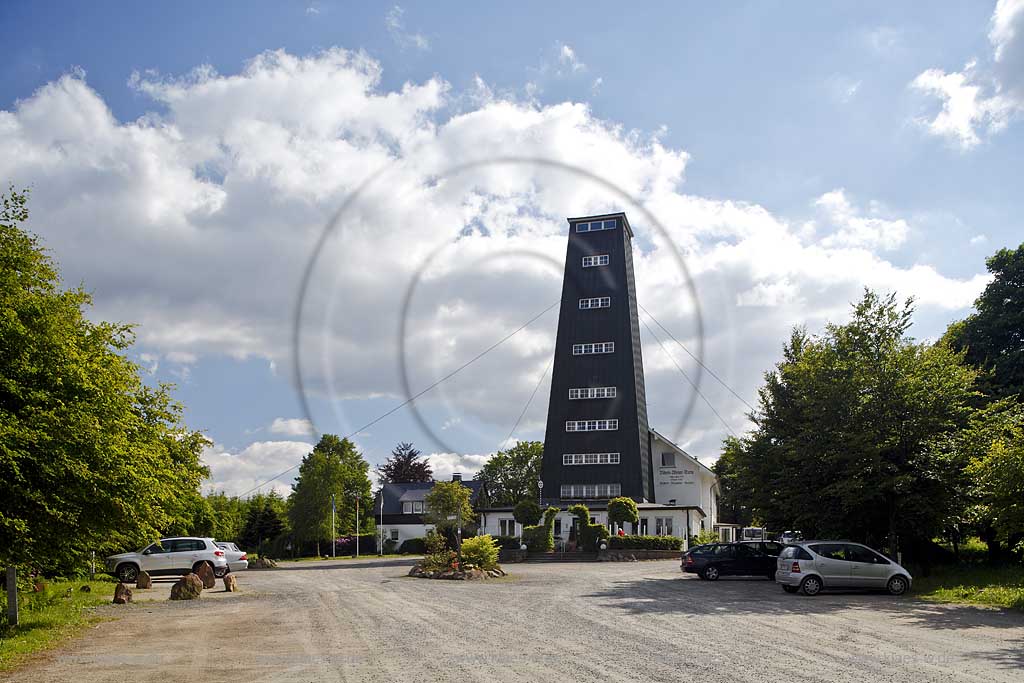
[{"x": 597, "y": 442}]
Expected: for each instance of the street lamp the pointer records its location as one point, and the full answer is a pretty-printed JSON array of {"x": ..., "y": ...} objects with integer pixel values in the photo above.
[{"x": 540, "y": 492}]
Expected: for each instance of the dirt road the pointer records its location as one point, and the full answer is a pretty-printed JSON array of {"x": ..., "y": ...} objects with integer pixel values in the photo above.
[{"x": 365, "y": 621}]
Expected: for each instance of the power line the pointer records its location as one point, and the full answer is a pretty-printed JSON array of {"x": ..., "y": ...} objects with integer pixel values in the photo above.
[
  {"x": 687, "y": 377},
  {"x": 416, "y": 396},
  {"x": 530, "y": 400},
  {"x": 697, "y": 360}
]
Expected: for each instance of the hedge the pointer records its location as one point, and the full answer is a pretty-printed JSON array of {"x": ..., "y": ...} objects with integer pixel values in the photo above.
[
  {"x": 413, "y": 546},
  {"x": 645, "y": 543},
  {"x": 511, "y": 542}
]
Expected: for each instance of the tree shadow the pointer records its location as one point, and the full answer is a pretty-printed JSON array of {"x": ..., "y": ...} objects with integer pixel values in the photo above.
[
  {"x": 755, "y": 596},
  {"x": 329, "y": 565}
]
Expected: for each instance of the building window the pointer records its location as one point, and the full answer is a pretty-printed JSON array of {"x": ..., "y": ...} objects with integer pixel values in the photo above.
[
  {"x": 641, "y": 528},
  {"x": 591, "y": 425},
  {"x": 394, "y": 535},
  {"x": 662, "y": 526},
  {"x": 595, "y": 302},
  {"x": 591, "y": 392},
  {"x": 598, "y": 260},
  {"x": 590, "y": 458},
  {"x": 508, "y": 527},
  {"x": 668, "y": 459},
  {"x": 591, "y": 490},
  {"x": 407, "y": 508},
  {"x": 596, "y": 347},
  {"x": 595, "y": 225}
]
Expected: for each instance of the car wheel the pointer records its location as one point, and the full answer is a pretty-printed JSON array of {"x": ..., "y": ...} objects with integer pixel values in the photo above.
[
  {"x": 221, "y": 573},
  {"x": 811, "y": 585},
  {"x": 897, "y": 585},
  {"x": 127, "y": 573},
  {"x": 711, "y": 573},
  {"x": 789, "y": 589}
]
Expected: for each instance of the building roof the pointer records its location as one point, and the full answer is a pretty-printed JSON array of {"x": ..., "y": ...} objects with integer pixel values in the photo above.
[{"x": 396, "y": 494}]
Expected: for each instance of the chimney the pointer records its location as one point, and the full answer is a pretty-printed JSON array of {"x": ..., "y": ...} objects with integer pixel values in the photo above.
[{"x": 456, "y": 476}]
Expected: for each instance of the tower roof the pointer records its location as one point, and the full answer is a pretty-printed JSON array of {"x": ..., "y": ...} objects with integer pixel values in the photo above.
[{"x": 604, "y": 216}]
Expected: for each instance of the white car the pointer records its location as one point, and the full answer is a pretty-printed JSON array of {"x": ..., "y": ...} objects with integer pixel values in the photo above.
[
  {"x": 169, "y": 557},
  {"x": 813, "y": 566},
  {"x": 237, "y": 559}
]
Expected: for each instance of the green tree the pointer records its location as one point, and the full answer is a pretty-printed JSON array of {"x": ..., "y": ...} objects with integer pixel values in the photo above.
[
  {"x": 512, "y": 474},
  {"x": 404, "y": 466},
  {"x": 843, "y": 443},
  {"x": 448, "y": 508},
  {"x": 733, "y": 501},
  {"x": 264, "y": 521},
  {"x": 622, "y": 510},
  {"x": 91, "y": 458},
  {"x": 527, "y": 512},
  {"x": 335, "y": 468},
  {"x": 993, "y": 336}
]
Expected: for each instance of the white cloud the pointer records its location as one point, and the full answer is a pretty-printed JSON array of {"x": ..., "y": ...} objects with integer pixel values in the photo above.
[
  {"x": 294, "y": 426},
  {"x": 446, "y": 464},
  {"x": 197, "y": 222},
  {"x": 979, "y": 239},
  {"x": 568, "y": 59},
  {"x": 981, "y": 101},
  {"x": 396, "y": 28},
  {"x": 235, "y": 473}
]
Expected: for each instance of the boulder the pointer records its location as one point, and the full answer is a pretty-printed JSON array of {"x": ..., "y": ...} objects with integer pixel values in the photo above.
[
  {"x": 205, "y": 574},
  {"x": 230, "y": 583},
  {"x": 417, "y": 571},
  {"x": 122, "y": 594},
  {"x": 188, "y": 587},
  {"x": 86, "y": 588},
  {"x": 262, "y": 563},
  {"x": 475, "y": 575},
  {"x": 144, "y": 581}
]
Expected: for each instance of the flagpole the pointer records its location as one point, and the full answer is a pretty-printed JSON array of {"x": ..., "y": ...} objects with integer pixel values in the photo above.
[{"x": 334, "y": 536}]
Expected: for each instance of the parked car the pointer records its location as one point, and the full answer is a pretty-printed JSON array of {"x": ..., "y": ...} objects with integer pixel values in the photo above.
[
  {"x": 813, "y": 566},
  {"x": 169, "y": 557},
  {"x": 788, "y": 537},
  {"x": 237, "y": 559},
  {"x": 711, "y": 561},
  {"x": 767, "y": 547}
]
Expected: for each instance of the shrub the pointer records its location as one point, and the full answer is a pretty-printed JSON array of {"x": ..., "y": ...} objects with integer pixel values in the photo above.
[
  {"x": 705, "y": 536},
  {"x": 413, "y": 546},
  {"x": 511, "y": 542},
  {"x": 346, "y": 545},
  {"x": 436, "y": 555},
  {"x": 541, "y": 539},
  {"x": 480, "y": 551},
  {"x": 589, "y": 534},
  {"x": 527, "y": 512},
  {"x": 622, "y": 510},
  {"x": 645, "y": 543}
]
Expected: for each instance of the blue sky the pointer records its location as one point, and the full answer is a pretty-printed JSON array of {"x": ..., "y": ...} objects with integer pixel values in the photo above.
[{"x": 184, "y": 158}]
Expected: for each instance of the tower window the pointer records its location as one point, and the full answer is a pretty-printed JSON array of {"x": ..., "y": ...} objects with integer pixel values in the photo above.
[
  {"x": 592, "y": 392},
  {"x": 595, "y": 225},
  {"x": 596, "y": 302},
  {"x": 590, "y": 458},
  {"x": 596, "y": 347},
  {"x": 598, "y": 260},
  {"x": 591, "y": 490},
  {"x": 591, "y": 425},
  {"x": 668, "y": 459}
]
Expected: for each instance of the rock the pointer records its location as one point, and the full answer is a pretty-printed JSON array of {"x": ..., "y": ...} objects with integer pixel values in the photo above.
[
  {"x": 205, "y": 574},
  {"x": 230, "y": 583},
  {"x": 122, "y": 594},
  {"x": 86, "y": 588},
  {"x": 144, "y": 581},
  {"x": 632, "y": 558},
  {"x": 475, "y": 575},
  {"x": 188, "y": 587},
  {"x": 262, "y": 563},
  {"x": 417, "y": 571}
]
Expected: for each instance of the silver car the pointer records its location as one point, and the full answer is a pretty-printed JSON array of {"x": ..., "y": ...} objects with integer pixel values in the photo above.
[
  {"x": 813, "y": 566},
  {"x": 168, "y": 557},
  {"x": 237, "y": 559}
]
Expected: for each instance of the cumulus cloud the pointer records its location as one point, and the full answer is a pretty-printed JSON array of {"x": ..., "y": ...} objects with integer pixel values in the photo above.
[
  {"x": 197, "y": 221},
  {"x": 294, "y": 426},
  {"x": 248, "y": 468},
  {"x": 444, "y": 465},
  {"x": 978, "y": 101}
]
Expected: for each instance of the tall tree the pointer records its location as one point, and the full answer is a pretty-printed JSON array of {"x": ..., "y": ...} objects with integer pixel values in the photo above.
[
  {"x": 91, "y": 458},
  {"x": 335, "y": 468},
  {"x": 404, "y": 466},
  {"x": 448, "y": 508},
  {"x": 844, "y": 438},
  {"x": 993, "y": 336},
  {"x": 264, "y": 521},
  {"x": 512, "y": 474}
]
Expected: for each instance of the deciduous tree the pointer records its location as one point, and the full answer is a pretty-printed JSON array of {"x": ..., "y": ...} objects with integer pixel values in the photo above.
[{"x": 512, "y": 474}]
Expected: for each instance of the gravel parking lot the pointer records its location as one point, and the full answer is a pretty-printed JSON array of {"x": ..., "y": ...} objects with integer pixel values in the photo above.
[{"x": 366, "y": 621}]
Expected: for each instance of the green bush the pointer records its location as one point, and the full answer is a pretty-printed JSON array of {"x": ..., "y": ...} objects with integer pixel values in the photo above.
[
  {"x": 541, "y": 539},
  {"x": 590, "y": 535},
  {"x": 508, "y": 542},
  {"x": 480, "y": 551},
  {"x": 527, "y": 512},
  {"x": 622, "y": 510},
  {"x": 413, "y": 546},
  {"x": 645, "y": 543},
  {"x": 436, "y": 555},
  {"x": 704, "y": 537}
]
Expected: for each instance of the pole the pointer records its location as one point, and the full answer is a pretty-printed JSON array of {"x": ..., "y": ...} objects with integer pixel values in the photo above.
[
  {"x": 12, "y": 595},
  {"x": 92, "y": 566},
  {"x": 382, "y": 521},
  {"x": 357, "y": 527},
  {"x": 334, "y": 536}
]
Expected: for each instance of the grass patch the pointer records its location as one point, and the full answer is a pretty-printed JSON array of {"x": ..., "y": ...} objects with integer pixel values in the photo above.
[
  {"x": 50, "y": 617},
  {"x": 976, "y": 584}
]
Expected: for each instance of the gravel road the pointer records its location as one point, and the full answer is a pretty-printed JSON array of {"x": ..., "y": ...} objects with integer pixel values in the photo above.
[{"x": 366, "y": 621}]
